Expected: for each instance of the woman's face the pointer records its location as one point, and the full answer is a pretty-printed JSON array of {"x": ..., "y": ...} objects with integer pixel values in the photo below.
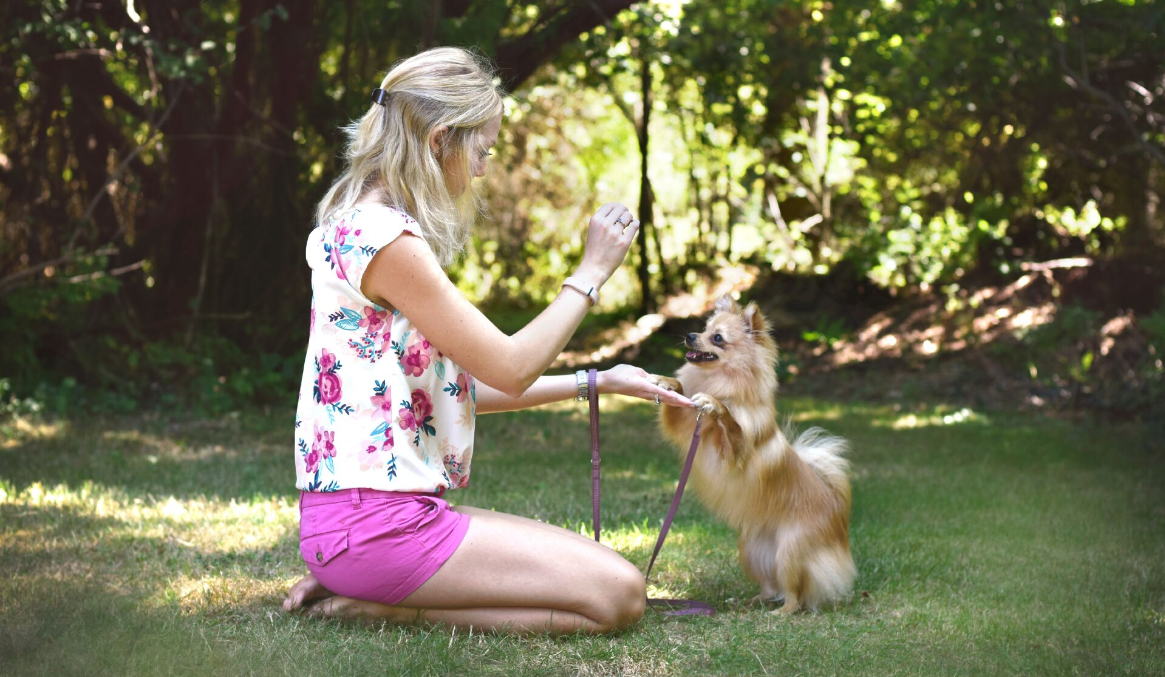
[
  {"x": 479, "y": 163},
  {"x": 489, "y": 136}
]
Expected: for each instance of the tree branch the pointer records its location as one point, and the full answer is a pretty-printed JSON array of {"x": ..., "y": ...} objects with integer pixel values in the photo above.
[
  {"x": 518, "y": 59},
  {"x": 1078, "y": 82}
]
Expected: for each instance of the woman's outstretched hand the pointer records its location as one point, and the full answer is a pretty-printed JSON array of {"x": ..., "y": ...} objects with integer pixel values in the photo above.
[
  {"x": 611, "y": 232},
  {"x": 624, "y": 379}
]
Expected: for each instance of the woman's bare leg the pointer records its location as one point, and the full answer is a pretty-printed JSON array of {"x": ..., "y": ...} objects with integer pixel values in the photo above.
[{"x": 513, "y": 574}]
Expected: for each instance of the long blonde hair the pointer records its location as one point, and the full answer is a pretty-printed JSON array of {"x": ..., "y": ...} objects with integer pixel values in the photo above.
[{"x": 388, "y": 154}]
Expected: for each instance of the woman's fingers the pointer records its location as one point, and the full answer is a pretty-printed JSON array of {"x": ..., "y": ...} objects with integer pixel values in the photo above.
[
  {"x": 670, "y": 397},
  {"x": 638, "y": 383},
  {"x": 629, "y": 232},
  {"x": 621, "y": 215}
]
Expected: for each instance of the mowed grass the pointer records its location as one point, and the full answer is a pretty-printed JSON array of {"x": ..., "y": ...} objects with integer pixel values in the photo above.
[{"x": 996, "y": 544}]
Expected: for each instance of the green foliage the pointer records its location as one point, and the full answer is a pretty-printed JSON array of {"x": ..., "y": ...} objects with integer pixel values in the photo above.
[
  {"x": 828, "y": 331},
  {"x": 921, "y": 142},
  {"x": 1058, "y": 354}
]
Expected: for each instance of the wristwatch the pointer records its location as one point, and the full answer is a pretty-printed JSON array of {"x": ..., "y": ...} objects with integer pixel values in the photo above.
[
  {"x": 590, "y": 292},
  {"x": 584, "y": 389}
]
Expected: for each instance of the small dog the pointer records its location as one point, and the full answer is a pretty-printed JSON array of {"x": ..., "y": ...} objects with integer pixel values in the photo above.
[{"x": 789, "y": 501}]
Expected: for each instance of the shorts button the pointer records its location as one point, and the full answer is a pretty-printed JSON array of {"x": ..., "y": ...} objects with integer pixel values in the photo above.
[{"x": 319, "y": 556}]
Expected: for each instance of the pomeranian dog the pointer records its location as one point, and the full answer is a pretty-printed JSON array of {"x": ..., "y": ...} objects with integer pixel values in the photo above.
[{"x": 789, "y": 500}]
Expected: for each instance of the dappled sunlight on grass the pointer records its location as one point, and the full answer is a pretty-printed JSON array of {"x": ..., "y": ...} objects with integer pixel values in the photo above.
[
  {"x": 20, "y": 429},
  {"x": 219, "y": 594},
  {"x": 964, "y": 534},
  {"x": 962, "y": 416}
]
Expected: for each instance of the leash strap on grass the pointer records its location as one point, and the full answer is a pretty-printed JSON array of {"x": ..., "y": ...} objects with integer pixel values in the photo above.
[{"x": 668, "y": 607}]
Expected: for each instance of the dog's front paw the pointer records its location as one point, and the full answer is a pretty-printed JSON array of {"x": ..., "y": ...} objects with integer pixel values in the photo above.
[
  {"x": 706, "y": 404},
  {"x": 667, "y": 383}
]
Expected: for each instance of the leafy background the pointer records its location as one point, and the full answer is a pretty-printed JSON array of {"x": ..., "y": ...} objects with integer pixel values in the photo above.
[{"x": 160, "y": 161}]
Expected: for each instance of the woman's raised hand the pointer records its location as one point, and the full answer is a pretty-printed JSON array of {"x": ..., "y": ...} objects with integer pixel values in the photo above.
[{"x": 612, "y": 229}]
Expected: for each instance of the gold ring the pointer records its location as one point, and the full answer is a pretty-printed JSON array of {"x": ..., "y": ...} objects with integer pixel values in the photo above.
[{"x": 657, "y": 399}]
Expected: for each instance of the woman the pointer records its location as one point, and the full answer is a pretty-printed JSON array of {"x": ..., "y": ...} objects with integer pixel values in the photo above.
[{"x": 387, "y": 403}]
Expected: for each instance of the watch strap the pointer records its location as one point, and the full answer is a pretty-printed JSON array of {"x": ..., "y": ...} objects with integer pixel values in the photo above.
[{"x": 590, "y": 292}]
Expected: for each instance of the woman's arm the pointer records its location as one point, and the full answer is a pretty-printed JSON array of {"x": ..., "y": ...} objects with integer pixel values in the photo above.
[
  {"x": 405, "y": 275},
  {"x": 623, "y": 379}
]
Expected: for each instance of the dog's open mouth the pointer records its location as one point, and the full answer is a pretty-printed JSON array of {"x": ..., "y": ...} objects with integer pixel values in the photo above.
[{"x": 698, "y": 356}]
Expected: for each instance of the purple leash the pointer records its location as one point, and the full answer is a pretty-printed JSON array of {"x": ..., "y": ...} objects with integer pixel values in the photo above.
[{"x": 669, "y": 607}]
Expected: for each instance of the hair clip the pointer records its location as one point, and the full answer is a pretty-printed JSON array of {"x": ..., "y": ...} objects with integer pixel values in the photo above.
[{"x": 379, "y": 96}]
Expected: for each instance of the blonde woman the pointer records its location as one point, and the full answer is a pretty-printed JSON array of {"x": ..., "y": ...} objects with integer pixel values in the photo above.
[{"x": 387, "y": 405}]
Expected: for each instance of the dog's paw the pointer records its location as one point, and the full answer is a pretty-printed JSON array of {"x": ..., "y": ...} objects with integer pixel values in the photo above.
[
  {"x": 667, "y": 383},
  {"x": 705, "y": 404}
]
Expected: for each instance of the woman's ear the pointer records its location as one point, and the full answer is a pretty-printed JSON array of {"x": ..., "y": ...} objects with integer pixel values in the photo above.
[{"x": 437, "y": 138}]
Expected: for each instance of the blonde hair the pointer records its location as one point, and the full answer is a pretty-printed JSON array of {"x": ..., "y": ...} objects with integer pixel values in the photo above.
[{"x": 388, "y": 154}]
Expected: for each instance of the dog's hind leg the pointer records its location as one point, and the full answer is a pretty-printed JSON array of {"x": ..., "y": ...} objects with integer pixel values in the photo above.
[
  {"x": 757, "y": 554},
  {"x": 792, "y": 578}
]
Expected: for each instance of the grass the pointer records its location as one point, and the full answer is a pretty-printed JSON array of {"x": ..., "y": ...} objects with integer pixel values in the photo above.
[{"x": 985, "y": 545}]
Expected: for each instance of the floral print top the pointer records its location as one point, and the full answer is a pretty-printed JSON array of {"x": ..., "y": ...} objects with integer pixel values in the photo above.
[{"x": 379, "y": 406}]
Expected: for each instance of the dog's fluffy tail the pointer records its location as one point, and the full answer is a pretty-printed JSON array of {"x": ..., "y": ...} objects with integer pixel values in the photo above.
[{"x": 825, "y": 454}]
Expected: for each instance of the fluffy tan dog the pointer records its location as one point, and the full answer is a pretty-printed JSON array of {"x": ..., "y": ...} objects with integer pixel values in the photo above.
[{"x": 789, "y": 500}]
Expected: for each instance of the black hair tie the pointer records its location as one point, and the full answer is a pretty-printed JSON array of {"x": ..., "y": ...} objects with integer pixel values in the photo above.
[{"x": 379, "y": 96}]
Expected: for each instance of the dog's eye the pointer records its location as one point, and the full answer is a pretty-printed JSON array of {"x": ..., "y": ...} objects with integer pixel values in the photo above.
[{"x": 717, "y": 339}]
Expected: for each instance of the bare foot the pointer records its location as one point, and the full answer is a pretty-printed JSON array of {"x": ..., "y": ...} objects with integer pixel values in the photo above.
[
  {"x": 358, "y": 609},
  {"x": 305, "y": 590}
]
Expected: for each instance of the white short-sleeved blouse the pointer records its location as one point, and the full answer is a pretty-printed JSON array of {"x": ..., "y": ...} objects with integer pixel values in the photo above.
[{"x": 379, "y": 406}]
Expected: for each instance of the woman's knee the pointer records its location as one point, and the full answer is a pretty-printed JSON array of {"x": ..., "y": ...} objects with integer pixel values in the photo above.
[{"x": 624, "y": 597}]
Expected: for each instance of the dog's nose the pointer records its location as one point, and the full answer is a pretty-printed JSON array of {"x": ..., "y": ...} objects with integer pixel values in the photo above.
[{"x": 690, "y": 339}]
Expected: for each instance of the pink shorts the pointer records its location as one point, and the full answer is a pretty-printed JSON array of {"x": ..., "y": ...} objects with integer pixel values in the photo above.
[{"x": 378, "y": 546}]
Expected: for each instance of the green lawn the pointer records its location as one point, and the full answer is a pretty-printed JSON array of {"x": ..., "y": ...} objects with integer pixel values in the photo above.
[{"x": 996, "y": 544}]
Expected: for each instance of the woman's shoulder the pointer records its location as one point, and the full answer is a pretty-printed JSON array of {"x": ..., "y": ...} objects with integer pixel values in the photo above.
[{"x": 385, "y": 214}]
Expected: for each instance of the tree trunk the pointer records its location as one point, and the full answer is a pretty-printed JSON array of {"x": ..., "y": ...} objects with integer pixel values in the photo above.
[{"x": 647, "y": 302}]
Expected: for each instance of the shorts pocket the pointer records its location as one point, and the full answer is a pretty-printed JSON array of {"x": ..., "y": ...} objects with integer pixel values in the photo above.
[
  {"x": 410, "y": 517},
  {"x": 322, "y": 548}
]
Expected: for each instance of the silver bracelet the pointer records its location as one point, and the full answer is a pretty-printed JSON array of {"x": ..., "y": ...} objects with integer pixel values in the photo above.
[{"x": 584, "y": 389}]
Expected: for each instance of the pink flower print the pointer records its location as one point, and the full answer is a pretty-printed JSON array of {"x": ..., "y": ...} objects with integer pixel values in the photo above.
[
  {"x": 329, "y": 441},
  {"x": 383, "y": 405},
  {"x": 324, "y": 442},
  {"x": 312, "y": 327},
  {"x": 342, "y": 233},
  {"x": 373, "y": 319},
  {"x": 407, "y": 421},
  {"x": 371, "y": 449},
  {"x": 388, "y": 441},
  {"x": 417, "y": 414},
  {"x": 415, "y": 361},
  {"x": 463, "y": 386},
  {"x": 455, "y": 470},
  {"x": 327, "y": 360},
  {"x": 422, "y": 405},
  {"x": 329, "y": 387},
  {"x": 312, "y": 461}
]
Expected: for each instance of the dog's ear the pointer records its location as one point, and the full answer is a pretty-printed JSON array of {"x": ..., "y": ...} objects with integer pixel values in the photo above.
[
  {"x": 725, "y": 303},
  {"x": 753, "y": 318}
]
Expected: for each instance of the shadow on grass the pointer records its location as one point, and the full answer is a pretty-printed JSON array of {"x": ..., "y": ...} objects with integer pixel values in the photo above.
[{"x": 995, "y": 545}]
